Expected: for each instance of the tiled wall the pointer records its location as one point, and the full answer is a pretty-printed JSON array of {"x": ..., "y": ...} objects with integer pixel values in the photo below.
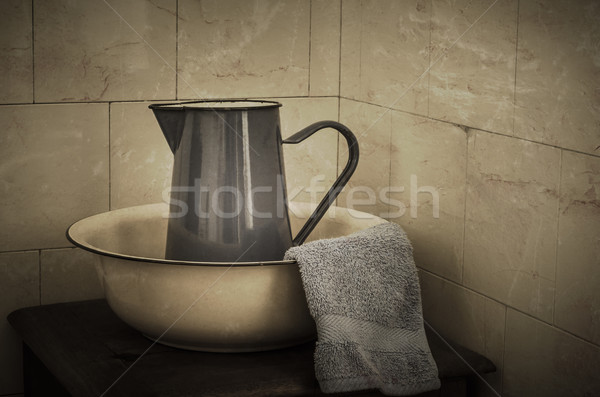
[
  {"x": 488, "y": 111},
  {"x": 496, "y": 106},
  {"x": 77, "y": 137}
]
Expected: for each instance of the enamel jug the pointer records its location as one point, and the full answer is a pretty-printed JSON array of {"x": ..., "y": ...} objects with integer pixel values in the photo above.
[{"x": 228, "y": 196}]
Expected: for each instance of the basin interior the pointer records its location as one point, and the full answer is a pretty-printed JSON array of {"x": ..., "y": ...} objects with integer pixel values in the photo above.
[{"x": 141, "y": 237}]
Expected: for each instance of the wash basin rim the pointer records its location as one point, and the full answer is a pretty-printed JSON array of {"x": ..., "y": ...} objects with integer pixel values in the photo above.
[
  {"x": 101, "y": 252},
  {"x": 75, "y": 230},
  {"x": 80, "y": 242}
]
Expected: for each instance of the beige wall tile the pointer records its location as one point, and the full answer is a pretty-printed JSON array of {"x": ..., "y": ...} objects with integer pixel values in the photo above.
[
  {"x": 558, "y": 74},
  {"x": 91, "y": 51},
  {"x": 428, "y": 161},
  {"x": 19, "y": 283},
  {"x": 237, "y": 48},
  {"x": 474, "y": 83},
  {"x": 68, "y": 275},
  {"x": 578, "y": 273},
  {"x": 543, "y": 361},
  {"x": 141, "y": 161},
  {"x": 385, "y": 53},
  {"x": 350, "y": 66},
  {"x": 310, "y": 166},
  {"x": 54, "y": 171},
  {"x": 511, "y": 221},
  {"x": 372, "y": 127},
  {"x": 325, "y": 47},
  {"x": 16, "y": 62},
  {"x": 467, "y": 318}
]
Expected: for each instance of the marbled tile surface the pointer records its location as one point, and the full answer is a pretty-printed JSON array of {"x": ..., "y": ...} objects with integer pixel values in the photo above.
[
  {"x": 473, "y": 84},
  {"x": 310, "y": 166},
  {"x": 69, "y": 275},
  {"x": 104, "y": 50},
  {"x": 238, "y": 48},
  {"x": 372, "y": 127},
  {"x": 325, "y": 47},
  {"x": 542, "y": 361},
  {"x": 558, "y": 74},
  {"x": 141, "y": 161},
  {"x": 578, "y": 263},
  {"x": 467, "y": 318},
  {"x": 19, "y": 283},
  {"x": 428, "y": 163},
  {"x": 385, "y": 51},
  {"x": 54, "y": 171},
  {"x": 511, "y": 221},
  {"x": 350, "y": 67},
  {"x": 16, "y": 61}
]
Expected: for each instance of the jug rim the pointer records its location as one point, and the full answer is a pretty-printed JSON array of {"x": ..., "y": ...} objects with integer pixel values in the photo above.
[{"x": 217, "y": 104}]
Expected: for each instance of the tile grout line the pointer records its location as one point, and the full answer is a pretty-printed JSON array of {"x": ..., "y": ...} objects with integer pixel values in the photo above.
[
  {"x": 109, "y": 158},
  {"x": 24, "y": 251},
  {"x": 463, "y": 126},
  {"x": 466, "y": 191},
  {"x": 310, "y": 17},
  {"x": 507, "y": 306},
  {"x": 429, "y": 58},
  {"x": 390, "y": 158},
  {"x": 444, "y": 54},
  {"x": 339, "y": 93},
  {"x": 516, "y": 65},
  {"x": 154, "y": 100},
  {"x": 360, "y": 48},
  {"x": 513, "y": 136},
  {"x": 32, "y": 53},
  {"x": 339, "y": 98},
  {"x": 477, "y": 374},
  {"x": 560, "y": 182},
  {"x": 337, "y": 148},
  {"x": 556, "y": 328}
]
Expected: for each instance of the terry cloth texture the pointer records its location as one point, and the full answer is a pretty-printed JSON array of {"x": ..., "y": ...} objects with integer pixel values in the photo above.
[{"x": 363, "y": 292}]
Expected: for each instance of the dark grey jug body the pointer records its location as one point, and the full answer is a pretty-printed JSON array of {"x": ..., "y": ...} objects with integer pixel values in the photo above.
[
  {"x": 228, "y": 190},
  {"x": 228, "y": 196}
]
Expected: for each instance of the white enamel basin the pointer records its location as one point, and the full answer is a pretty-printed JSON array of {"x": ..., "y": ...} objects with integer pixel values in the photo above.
[{"x": 224, "y": 307}]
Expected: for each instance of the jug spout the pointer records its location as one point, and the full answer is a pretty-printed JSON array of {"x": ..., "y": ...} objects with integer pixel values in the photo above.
[{"x": 171, "y": 122}]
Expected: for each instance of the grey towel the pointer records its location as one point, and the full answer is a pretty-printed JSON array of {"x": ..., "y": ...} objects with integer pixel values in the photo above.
[{"x": 363, "y": 292}]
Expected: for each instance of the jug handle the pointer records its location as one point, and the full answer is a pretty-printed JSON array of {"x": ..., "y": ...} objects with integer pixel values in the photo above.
[{"x": 339, "y": 183}]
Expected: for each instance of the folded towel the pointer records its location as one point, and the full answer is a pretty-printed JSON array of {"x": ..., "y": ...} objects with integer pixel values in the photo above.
[{"x": 363, "y": 292}]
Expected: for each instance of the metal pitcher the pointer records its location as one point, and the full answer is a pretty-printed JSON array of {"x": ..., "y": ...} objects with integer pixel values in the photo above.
[{"x": 228, "y": 197}]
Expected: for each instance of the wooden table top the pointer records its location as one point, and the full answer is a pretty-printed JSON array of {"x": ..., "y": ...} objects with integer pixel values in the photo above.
[{"x": 91, "y": 352}]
